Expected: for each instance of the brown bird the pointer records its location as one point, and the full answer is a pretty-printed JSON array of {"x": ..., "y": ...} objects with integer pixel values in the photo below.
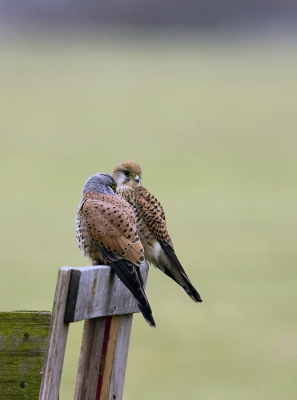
[
  {"x": 107, "y": 234},
  {"x": 151, "y": 225}
]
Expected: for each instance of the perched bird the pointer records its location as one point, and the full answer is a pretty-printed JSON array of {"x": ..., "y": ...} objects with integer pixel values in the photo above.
[
  {"x": 107, "y": 234},
  {"x": 151, "y": 225}
]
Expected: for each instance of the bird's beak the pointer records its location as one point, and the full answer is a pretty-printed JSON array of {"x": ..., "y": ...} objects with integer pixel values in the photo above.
[{"x": 137, "y": 179}]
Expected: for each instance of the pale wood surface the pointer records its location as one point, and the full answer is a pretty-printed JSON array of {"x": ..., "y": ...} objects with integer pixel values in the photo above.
[
  {"x": 120, "y": 357},
  {"x": 109, "y": 360},
  {"x": 23, "y": 341},
  {"x": 57, "y": 340},
  {"x": 113, "y": 365},
  {"x": 98, "y": 292},
  {"x": 89, "y": 359}
]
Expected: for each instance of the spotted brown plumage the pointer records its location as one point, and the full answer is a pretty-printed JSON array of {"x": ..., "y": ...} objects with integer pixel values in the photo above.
[
  {"x": 152, "y": 213},
  {"x": 151, "y": 225},
  {"x": 107, "y": 234}
]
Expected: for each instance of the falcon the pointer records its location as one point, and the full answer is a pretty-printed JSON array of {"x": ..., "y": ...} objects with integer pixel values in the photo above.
[
  {"x": 107, "y": 234},
  {"x": 151, "y": 225}
]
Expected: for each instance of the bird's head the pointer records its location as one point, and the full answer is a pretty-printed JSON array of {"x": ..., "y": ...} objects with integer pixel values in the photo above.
[
  {"x": 127, "y": 174},
  {"x": 100, "y": 183}
]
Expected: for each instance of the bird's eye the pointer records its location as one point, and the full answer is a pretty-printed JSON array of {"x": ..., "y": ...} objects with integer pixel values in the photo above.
[
  {"x": 113, "y": 186},
  {"x": 127, "y": 173}
]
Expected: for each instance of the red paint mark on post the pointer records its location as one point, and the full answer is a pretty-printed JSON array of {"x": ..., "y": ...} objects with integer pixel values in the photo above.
[{"x": 103, "y": 356}]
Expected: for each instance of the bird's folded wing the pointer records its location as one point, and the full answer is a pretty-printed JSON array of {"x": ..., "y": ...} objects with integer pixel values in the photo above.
[
  {"x": 153, "y": 214},
  {"x": 111, "y": 224}
]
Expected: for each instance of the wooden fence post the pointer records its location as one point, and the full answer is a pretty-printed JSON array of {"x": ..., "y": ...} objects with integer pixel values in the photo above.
[
  {"x": 51, "y": 379},
  {"x": 96, "y": 295}
]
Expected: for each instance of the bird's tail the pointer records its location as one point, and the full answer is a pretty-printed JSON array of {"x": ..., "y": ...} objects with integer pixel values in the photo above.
[
  {"x": 185, "y": 283},
  {"x": 144, "y": 305},
  {"x": 178, "y": 274},
  {"x": 130, "y": 275},
  {"x": 191, "y": 291},
  {"x": 147, "y": 314}
]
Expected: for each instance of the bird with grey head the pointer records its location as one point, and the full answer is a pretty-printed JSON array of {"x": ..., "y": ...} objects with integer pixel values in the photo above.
[
  {"x": 107, "y": 234},
  {"x": 100, "y": 183}
]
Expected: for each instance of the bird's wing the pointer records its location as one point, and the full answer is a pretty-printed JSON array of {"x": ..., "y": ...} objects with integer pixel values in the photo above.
[
  {"x": 153, "y": 214},
  {"x": 111, "y": 224}
]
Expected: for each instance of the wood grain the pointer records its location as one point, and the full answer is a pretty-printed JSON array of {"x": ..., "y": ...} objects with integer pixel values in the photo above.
[
  {"x": 98, "y": 292},
  {"x": 116, "y": 384},
  {"x": 89, "y": 359},
  {"x": 50, "y": 384},
  {"x": 109, "y": 359}
]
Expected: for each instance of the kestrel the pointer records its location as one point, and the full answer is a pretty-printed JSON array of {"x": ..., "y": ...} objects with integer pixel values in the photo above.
[
  {"x": 107, "y": 234},
  {"x": 151, "y": 225}
]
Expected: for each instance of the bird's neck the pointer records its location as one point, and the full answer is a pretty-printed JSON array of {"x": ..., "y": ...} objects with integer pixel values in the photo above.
[{"x": 127, "y": 193}]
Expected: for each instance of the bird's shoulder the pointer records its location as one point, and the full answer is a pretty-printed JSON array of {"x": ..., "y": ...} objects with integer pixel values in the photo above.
[{"x": 107, "y": 205}]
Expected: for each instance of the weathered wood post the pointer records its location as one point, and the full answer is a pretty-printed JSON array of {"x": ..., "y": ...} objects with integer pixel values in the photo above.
[
  {"x": 23, "y": 342},
  {"x": 96, "y": 295}
]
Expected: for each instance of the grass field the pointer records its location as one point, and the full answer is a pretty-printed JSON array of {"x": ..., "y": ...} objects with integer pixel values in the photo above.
[{"x": 213, "y": 124}]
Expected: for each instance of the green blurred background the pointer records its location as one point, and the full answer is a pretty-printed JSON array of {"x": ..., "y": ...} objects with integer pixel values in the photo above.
[{"x": 212, "y": 121}]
